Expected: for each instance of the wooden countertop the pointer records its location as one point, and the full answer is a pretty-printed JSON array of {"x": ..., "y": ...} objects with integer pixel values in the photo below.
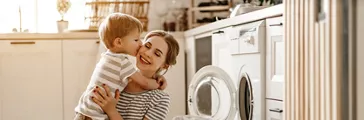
[
  {"x": 62, "y": 36},
  {"x": 48, "y": 36},
  {"x": 240, "y": 19}
]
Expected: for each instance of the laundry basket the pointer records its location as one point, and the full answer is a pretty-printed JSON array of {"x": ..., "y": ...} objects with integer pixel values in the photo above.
[
  {"x": 190, "y": 117},
  {"x": 97, "y": 10}
]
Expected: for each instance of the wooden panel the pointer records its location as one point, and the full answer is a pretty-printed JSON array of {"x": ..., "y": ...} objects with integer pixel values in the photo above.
[
  {"x": 360, "y": 58},
  {"x": 311, "y": 57},
  {"x": 306, "y": 60},
  {"x": 313, "y": 61},
  {"x": 301, "y": 59},
  {"x": 287, "y": 85},
  {"x": 295, "y": 56}
]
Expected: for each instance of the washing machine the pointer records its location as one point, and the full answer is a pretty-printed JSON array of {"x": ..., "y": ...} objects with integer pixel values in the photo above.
[{"x": 233, "y": 87}]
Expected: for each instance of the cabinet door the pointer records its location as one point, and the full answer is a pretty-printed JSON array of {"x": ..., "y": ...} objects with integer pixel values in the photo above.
[
  {"x": 275, "y": 58},
  {"x": 31, "y": 80},
  {"x": 79, "y": 60},
  {"x": 221, "y": 56},
  {"x": 274, "y": 110},
  {"x": 190, "y": 58}
]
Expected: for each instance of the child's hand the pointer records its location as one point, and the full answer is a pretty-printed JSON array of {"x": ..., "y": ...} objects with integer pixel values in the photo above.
[{"x": 162, "y": 82}]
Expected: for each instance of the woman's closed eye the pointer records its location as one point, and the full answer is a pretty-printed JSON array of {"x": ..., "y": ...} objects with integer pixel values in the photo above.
[{"x": 157, "y": 54}]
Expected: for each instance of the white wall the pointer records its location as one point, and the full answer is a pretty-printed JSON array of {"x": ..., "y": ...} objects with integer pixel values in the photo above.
[{"x": 360, "y": 59}]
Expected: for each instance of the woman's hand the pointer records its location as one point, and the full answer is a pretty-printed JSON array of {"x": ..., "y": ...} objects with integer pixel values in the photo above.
[{"x": 105, "y": 100}]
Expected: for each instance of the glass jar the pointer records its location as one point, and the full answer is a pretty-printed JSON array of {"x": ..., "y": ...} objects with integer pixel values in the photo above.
[{"x": 170, "y": 22}]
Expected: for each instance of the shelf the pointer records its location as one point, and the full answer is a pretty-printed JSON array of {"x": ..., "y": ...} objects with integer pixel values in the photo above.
[
  {"x": 198, "y": 24},
  {"x": 210, "y": 8},
  {"x": 197, "y": 11}
]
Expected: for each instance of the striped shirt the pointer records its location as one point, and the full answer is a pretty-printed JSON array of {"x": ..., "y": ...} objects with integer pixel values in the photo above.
[
  {"x": 112, "y": 70},
  {"x": 153, "y": 104}
]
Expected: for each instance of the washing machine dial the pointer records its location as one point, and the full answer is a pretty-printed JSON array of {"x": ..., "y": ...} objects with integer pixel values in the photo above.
[{"x": 249, "y": 40}]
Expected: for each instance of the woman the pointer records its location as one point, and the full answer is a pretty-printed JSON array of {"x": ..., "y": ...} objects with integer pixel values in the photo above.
[{"x": 154, "y": 58}]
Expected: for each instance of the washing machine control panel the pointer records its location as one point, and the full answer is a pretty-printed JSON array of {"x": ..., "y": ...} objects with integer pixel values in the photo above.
[{"x": 246, "y": 38}]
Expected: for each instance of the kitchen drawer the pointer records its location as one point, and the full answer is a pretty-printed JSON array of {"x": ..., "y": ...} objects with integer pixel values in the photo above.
[{"x": 274, "y": 110}]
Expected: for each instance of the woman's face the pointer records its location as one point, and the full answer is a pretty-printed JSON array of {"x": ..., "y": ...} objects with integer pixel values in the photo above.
[{"x": 152, "y": 54}]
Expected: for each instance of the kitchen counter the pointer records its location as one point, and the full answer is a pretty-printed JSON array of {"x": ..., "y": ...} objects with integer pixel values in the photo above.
[
  {"x": 244, "y": 18},
  {"x": 61, "y": 36},
  {"x": 240, "y": 19},
  {"x": 48, "y": 36}
]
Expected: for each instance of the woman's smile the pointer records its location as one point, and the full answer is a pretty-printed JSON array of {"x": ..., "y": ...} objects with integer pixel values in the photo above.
[{"x": 144, "y": 60}]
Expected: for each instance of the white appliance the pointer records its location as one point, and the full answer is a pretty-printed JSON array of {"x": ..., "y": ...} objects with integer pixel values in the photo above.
[
  {"x": 233, "y": 87},
  {"x": 248, "y": 60}
]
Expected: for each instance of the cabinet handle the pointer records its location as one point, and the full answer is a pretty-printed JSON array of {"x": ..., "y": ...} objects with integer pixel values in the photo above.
[
  {"x": 276, "y": 110},
  {"x": 97, "y": 42},
  {"x": 218, "y": 32},
  {"x": 17, "y": 43},
  {"x": 321, "y": 13},
  {"x": 280, "y": 24}
]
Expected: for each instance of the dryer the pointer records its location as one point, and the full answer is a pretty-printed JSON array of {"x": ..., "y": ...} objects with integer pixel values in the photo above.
[
  {"x": 248, "y": 59},
  {"x": 233, "y": 87}
]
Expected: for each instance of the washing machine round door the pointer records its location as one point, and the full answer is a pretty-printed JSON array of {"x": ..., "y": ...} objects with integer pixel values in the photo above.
[
  {"x": 212, "y": 94},
  {"x": 246, "y": 102}
]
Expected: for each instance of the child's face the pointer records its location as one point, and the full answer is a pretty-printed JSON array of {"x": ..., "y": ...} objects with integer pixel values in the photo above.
[{"x": 131, "y": 43}]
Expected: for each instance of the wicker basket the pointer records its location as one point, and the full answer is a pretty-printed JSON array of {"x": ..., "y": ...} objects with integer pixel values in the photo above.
[{"x": 98, "y": 10}]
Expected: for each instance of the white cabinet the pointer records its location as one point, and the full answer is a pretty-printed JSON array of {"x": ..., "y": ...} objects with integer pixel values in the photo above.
[
  {"x": 44, "y": 79},
  {"x": 274, "y": 110},
  {"x": 275, "y": 59},
  {"x": 221, "y": 56},
  {"x": 190, "y": 58},
  {"x": 79, "y": 60},
  {"x": 31, "y": 80}
]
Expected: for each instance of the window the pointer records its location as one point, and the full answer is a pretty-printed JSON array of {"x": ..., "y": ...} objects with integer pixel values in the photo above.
[{"x": 39, "y": 15}]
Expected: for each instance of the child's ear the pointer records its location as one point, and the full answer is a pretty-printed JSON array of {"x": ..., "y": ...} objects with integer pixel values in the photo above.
[{"x": 117, "y": 42}]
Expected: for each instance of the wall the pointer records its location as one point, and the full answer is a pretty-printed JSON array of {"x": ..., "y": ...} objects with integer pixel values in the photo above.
[
  {"x": 157, "y": 6},
  {"x": 360, "y": 58}
]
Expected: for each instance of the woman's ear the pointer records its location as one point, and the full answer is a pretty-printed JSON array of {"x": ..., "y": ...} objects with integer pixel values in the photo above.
[{"x": 165, "y": 66}]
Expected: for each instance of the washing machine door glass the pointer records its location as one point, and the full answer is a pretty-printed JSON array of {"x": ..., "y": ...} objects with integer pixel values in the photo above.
[
  {"x": 212, "y": 94},
  {"x": 245, "y": 98}
]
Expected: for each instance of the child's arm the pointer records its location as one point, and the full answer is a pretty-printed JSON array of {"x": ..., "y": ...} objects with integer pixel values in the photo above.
[{"x": 144, "y": 82}]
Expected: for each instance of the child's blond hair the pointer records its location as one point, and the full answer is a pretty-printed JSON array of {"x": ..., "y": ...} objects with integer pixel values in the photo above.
[{"x": 117, "y": 25}]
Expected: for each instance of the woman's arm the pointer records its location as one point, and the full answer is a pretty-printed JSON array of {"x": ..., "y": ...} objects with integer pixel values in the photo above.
[
  {"x": 160, "y": 110},
  {"x": 107, "y": 102}
]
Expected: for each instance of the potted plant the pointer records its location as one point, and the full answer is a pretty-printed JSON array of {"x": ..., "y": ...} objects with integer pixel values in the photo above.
[{"x": 62, "y": 7}]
